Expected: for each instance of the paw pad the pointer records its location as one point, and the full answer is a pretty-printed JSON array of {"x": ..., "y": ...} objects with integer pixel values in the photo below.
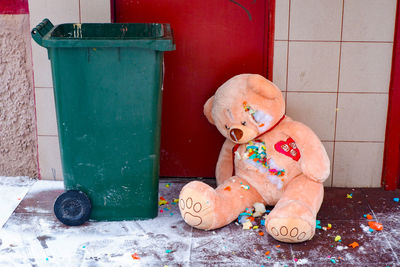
[
  {"x": 195, "y": 210},
  {"x": 292, "y": 231}
]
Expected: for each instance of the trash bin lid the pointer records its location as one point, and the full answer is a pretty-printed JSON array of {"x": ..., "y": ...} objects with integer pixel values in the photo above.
[{"x": 155, "y": 36}]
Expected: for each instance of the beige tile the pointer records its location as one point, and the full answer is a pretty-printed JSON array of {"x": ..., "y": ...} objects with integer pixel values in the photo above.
[
  {"x": 329, "y": 150},
  {"x": 316, "y": 110},
  {"x": 369, "y": 20},
  {"x": 95, "y": 11},
  {"x": 280, "y": 64},
  {"x": 358, "y": 164},
  {"x": 281, "y": 19},
  {"x": 315, "y": 20},
  {"x": 45, "y": 112},
  {"x": 313, "y": 66},
  {"x": 365, "y": 67},
  {"x": 49, "y": 158},
  {"x": 361, "y": 117},
  {"x": 41, "y": 66},
  {"x": 57, "y": 11}
]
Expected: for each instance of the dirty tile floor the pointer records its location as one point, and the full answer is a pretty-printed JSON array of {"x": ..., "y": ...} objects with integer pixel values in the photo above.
[{"x": 32, "y": 236}]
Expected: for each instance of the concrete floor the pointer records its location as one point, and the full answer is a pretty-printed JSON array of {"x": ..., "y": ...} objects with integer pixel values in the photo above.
[{"x": 30, "y": 234}]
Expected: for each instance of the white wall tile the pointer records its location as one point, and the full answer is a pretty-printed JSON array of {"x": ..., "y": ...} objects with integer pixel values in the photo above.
[
  {"x": 361, "y": 117},
  {"x": 369, "y": 20},
  {"x": 329, "y": 150},
  {"x": 95, "y": 11},
  {"x": 358, "y": 164},
  {"x": 280, "y": 64},
  {"x": 57, "y": 11},
  {"x": 45, "y": 112},
  {"x": 281, "y": 19},
  {"x": 49, "y": 158},
  {"x": 365, "y": 67},
  {"x": 316, "y": 110},
  {"x": 315, "y": 20},
  {"x": 41, "y": 66},
  {"x": 313, "y": 66}
]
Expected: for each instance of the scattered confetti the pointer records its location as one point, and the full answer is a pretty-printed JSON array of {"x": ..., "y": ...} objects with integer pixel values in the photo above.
[
  {"x": 228, "y": 188},
  {"x": 267, "y": 253},
  {"x": 135, "y": 256},
  {"x": 168, "y": 185},
  {"x": 333, "y": 260},
  {"x": 396, "y": 199},
  {"x": 162, "y": 201},
  {"x": 369, "y": 217},
  {"x": 375, "y": 225},
  {"x": 261, "y": 233},
  {"x": 168, "y": 251},
  {"x": 338, "y": 238},
  {"x": 349, "y": 196},
  {"x": 247, "y": 225},
  {"x": 295, "y": 259},
  {"x": 245, "y": 187},
  {"x": 278, "y": 246},
  {"x": 354, "y": 245}
]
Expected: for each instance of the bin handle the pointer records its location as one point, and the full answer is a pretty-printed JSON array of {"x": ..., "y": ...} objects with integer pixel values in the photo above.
[
  {"x": 168, "y": 31},
  {"x": 41, "y": 30}
]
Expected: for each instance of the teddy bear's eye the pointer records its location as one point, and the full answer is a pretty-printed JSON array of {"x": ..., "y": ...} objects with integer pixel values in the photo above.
[
  {"x": 226, "y": 127},
  {"x": 244, "y": 123}
]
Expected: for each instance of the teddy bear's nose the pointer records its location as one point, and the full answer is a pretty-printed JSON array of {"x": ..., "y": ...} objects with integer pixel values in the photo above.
[{"x": 236, "y": 134}]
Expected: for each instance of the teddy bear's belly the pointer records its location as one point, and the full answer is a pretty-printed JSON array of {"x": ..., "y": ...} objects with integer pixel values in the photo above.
[{"x": 265, "y": 164}]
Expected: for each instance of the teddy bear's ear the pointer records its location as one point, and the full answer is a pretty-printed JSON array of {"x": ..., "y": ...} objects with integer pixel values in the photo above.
[
  {"x": 262, "y": 86},
  {"x": 207, "y": 109}
]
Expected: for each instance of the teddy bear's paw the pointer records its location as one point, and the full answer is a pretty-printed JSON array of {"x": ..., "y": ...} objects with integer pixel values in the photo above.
[
  {"x": 290, "y": 230},
  {"x": 196, "y": 209}
]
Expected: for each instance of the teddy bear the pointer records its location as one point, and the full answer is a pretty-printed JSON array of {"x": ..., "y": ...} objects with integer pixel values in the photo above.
[{"x": 266, "y": 158}]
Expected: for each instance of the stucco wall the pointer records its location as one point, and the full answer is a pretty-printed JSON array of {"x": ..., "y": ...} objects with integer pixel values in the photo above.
[{"x": 18, "y": 145}]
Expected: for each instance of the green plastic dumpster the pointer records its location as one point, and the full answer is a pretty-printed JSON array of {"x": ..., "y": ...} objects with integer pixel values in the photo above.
[{"x": 107, "y": 85}]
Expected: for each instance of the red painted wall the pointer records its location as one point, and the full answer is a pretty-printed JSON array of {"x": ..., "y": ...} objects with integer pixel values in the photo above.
[
  {"x": 14, "y": 7},
  {"x": 215, "y": 40},
  {"x": 391, "y": 156}
]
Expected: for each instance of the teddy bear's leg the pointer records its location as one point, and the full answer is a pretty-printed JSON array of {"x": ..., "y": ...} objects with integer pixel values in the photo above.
[
  {"x": 206, "y": 208},
  {"x": 294, "y": 216}
]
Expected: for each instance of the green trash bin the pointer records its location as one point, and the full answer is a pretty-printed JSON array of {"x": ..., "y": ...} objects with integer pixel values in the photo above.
[{"x": 107, "y": 81}]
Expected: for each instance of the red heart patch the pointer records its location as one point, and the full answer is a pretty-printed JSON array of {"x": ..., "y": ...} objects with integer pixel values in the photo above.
[{"x": 288, "y": 148}]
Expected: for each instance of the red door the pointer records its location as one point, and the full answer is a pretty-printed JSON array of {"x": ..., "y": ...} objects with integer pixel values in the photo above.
[{"x": 215, "y": 40}]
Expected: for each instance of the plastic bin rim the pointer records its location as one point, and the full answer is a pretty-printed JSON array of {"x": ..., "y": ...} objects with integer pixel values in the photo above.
[{"x": 42, "y": 35}]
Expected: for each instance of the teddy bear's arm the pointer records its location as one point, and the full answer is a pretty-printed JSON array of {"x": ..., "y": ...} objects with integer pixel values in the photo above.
[
  {"x": 314, "y": 160},
  {"x": 224, "y": 167}
]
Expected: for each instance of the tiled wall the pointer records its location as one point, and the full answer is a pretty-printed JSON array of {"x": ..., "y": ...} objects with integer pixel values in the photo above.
[
  {"x": 332, "y": 59},
  {"x": 58, "y": 11}
]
